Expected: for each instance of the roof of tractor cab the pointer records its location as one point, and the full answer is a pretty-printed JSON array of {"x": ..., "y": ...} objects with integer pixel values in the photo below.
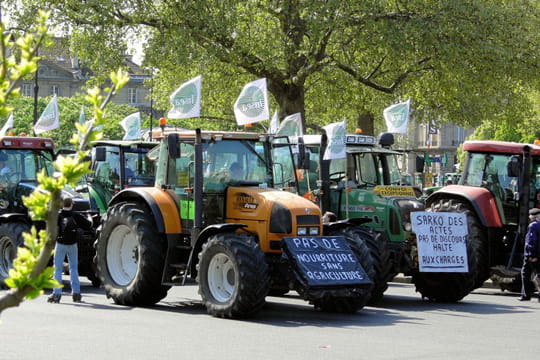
[
  {"x": 26, "y": 142},
  {"x": 125, "y": 143},
  {"x": 503, "y": 147},
  {"x": 225, "y": 135}
]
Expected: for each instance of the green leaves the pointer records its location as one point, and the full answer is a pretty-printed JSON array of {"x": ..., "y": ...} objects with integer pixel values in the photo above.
[{"x": 20, "y": 276}]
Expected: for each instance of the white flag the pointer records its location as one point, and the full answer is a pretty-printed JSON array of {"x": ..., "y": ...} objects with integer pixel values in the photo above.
[
  {"x": 186, "y": 100},
  {"x": 252, "y": 103},
  {"x": 49, "y": 119},
  {"x": 132, "y": 126},
  {"x": 82, "y": 120},
  {"x": 291, "y": 126},
  {"x": 274, "y": 123},
  {"x": 336, "y": 141},
  {"x": 397, "y": 117},
  {"x": 8, "y": 125}
]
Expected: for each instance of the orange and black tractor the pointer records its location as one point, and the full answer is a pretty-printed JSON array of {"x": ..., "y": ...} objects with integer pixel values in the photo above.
[
  {"x": 214, "y": 216},
  {"x": 499, "y": 184}
]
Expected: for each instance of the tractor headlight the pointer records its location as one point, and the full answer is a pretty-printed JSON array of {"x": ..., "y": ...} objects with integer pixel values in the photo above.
[
  {"x": 314, "y": 231},
  {"x": 302, "y": 231}
]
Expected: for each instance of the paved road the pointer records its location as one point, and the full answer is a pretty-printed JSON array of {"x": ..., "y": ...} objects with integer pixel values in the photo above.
[{"x": 488, "y": 324}]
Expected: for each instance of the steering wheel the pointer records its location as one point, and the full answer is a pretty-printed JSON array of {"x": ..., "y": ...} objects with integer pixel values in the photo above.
[
  {"x": 337, "y": 176},
  {"x": 13, "y": 177}
]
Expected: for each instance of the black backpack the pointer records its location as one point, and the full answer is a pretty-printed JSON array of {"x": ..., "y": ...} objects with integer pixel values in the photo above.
[{"x": 68, "y": 231}]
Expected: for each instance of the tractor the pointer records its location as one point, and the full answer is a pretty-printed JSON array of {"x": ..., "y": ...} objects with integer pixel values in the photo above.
[
  {"x": 109, "y": 176},
  {"x": 215, "y": 216},
  {"x": 367, "y": 185},
  {"x": 23, "y": 158},
  {"x": 498, "y": 186}
]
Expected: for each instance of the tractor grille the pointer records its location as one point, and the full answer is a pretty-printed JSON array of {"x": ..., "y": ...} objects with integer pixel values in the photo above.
[{"x": 308, "y": 220}]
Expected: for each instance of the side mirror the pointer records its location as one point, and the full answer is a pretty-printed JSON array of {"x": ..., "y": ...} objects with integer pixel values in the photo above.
[
  {"x": 303, "y": 159},
  {"x": 173, "y": 147},
  {"x": 420, "y": 164},
  {"x": 101, "y": 154},
  {"x": 513, "y": 167}
]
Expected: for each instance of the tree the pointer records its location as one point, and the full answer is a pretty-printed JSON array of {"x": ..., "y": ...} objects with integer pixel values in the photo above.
[
  {"x": 30, "y": 274},
  {"x": 466, "y": 61}
]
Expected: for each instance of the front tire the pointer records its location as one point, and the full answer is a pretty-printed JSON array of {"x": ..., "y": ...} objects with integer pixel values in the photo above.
[
  {"x": 233, "y": 275},
  {"x": 356, "y": 238},
  {"x": 131, "y": 256},
  {"x": 10, "y": 239},
  {"x": 452, "y": 287}
]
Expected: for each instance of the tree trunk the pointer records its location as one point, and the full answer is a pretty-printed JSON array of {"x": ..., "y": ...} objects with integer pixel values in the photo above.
[
  {"x": 366, "y": 122},
  {"x": 290, "y": 99}
]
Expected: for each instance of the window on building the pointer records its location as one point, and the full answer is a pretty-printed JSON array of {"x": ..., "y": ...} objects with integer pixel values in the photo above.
[
  {"x": 133, "y": 96},
  {"x": 55, "y": 90},
  {"x": 27, "y": 89}
]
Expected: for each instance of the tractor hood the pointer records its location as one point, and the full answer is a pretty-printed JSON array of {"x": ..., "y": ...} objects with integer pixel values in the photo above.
[{"x": 257, "y": 203}]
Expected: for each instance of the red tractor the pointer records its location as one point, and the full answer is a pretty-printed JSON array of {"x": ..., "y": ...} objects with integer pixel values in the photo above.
[{"x": 500, "y": 183}]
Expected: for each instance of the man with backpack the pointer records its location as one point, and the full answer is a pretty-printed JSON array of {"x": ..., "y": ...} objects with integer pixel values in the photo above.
[{"x": 70, "y": 225}]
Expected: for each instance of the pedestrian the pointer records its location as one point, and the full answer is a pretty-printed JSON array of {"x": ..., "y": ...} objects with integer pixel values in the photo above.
[
  {"x": 70, "y": 225},
  {"x": 530, "y": 255}
]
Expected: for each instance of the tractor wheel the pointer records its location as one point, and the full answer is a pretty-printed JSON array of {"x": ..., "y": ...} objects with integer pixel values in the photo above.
[
  {"x": 451, "y": 287},
  {"x": 131, "y": 256},
  {"x": 357, "y": 240},
  {"x": 233, "y": 275},
  {"x": 10, "y": 239},
  {"x": 381, "y": 261}
]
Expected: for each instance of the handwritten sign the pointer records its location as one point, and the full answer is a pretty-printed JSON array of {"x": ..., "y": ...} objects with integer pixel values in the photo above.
[
  {"x": 442, "y": 241},
  {"x": 325, "y": 260},
  {"x": 394, "y": 190}
]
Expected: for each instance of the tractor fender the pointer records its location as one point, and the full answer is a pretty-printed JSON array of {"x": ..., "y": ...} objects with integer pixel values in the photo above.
[
  {"x": 480, "y": 199},
  {"x": 159, "y": 202},
  {"x": 217, "y": 228},
  {"x": 340, "y": 224}
]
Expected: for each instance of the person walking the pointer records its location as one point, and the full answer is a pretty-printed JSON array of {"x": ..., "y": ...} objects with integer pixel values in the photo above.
[
  {"x": 70, "y": 224},
  {"x": 530, "y": 255}
]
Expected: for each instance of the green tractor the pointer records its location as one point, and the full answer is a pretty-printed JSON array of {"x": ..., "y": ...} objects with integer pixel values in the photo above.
[
  {"x": 117, "y": 164},
  {"x": 367, "y": 185}
]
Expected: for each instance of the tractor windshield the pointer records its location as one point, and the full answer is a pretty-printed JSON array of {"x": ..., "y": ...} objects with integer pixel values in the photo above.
[
  {"x": 372, "y": 169},
  {"x": 24, "y": 165},
  {"x": 490, "y": 171}
]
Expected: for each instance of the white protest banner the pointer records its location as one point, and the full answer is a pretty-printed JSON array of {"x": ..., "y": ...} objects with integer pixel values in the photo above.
[
  {"x": 336, "y": 141},
  {"x": 274, "y": 123},
  {"x": 8, "y": 125},
  {"x": 291, "y": 126},
  {"x": 186, "y": 100},
  {"x": 132, "y": 126},
  {"x": 397, "y": 117},
  {"x": 442, "y": 241},
  {"x": 252, "y": 103},
  {"x": 49, "y": 119}
]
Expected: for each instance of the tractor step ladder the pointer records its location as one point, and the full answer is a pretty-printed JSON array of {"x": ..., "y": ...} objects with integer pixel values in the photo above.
[{"x": 176, "y": 260}]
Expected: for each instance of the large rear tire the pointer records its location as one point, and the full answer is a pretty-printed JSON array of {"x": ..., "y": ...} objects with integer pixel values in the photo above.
[
  {"x": 10, "y": 239},
  {"x": 452, "y": 287},
  {"x": 357, "y": 238},
  {"x": 233, "y": 275},
  {"x": 131, "y": 256}
]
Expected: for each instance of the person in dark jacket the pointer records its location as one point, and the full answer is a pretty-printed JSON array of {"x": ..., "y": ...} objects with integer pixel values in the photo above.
[
  {"x": 70, "y": 224},
  {"x": 530, "y": 255}
]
